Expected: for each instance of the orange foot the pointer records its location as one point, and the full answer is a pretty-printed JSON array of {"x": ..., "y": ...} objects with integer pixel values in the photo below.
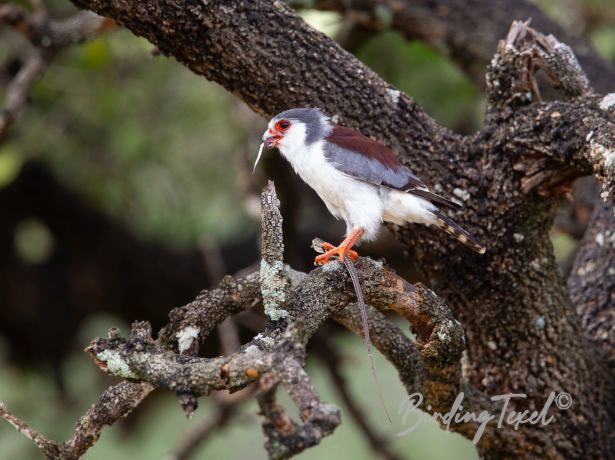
[{"x": 341, "y": 251}]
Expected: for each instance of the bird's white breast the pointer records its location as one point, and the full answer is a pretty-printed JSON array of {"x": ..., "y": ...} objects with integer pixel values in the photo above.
[{"x": 358, "y": 203}]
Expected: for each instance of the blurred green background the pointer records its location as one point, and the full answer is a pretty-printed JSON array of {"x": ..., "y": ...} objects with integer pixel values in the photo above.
[{"x": 167, "y": 154}]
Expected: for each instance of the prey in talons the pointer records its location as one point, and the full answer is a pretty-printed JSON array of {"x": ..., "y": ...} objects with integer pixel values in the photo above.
[{"x": 341, "y": 251}]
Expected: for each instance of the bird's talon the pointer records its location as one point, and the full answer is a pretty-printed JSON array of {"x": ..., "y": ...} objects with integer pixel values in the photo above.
[
  {"x": 321, "y": 259},
  {"x": 339, "y": 251},
  {"x": 327, "y": 246}
]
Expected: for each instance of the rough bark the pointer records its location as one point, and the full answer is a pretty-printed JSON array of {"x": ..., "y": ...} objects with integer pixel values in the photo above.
[
  {"x": 468, "y": 32},
  {"x": 592, "y": 283},
  {"x": 523, "y": 334},
  {"x": 275, "y": 356},
  {"x": 116, "y": 401}
]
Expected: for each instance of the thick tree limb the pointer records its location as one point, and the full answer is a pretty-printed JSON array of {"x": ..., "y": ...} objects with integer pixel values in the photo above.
[
  {"x": 469, "y": 32},
  {"x": 512, "y": 302},
  {"x": 466, "y": 30},
  {"x": 592, "y": 287},
  {"x": 511, "y": 89}
]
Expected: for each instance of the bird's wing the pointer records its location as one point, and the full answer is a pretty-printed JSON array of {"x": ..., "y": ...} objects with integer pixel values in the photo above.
[{"x": 370, "y": 161}]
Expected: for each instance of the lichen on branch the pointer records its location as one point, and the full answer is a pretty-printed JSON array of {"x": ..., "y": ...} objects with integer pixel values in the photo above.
[{"x": 277, "y": 355}]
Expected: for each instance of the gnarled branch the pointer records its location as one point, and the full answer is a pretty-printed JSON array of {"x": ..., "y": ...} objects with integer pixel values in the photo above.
[{"x": 276, "y": 355}]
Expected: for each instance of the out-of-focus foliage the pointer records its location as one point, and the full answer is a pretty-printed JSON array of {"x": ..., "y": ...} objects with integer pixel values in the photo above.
[
  {"x": 10, "y": 164},
  {"x": 593, "y": 18},
  {"x": 141, "y": 137},
  {"x": 436, "y": 84},
  {"x": 156, "y": 147}
]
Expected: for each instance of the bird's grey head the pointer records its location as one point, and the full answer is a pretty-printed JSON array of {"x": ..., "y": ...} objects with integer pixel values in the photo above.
[{"x": 296, "y": 127}]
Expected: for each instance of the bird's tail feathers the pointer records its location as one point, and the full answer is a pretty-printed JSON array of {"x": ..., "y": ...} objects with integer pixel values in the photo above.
[
  {"x": 452, "y": 228},
  {"x": 434, "y": 198}
]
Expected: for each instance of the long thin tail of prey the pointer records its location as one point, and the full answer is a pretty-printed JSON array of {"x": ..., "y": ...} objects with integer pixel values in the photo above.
[
  {"x": 363, "y": 309},
  {"x": 452, "y": 228}
]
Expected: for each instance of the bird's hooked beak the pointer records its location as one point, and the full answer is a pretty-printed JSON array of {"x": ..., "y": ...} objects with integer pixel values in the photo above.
[{"x": 270, "y": 139}]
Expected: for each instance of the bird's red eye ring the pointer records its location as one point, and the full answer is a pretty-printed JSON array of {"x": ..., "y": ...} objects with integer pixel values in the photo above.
[{"x": 282, "y": 125}]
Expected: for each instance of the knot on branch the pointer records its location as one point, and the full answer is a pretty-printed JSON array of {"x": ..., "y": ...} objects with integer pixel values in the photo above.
[
  {"x": 511, "y": 75},
  {"x": 575, "y": 135}
]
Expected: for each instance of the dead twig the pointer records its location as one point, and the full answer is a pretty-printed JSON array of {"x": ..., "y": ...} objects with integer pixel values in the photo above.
[{"x": 47, "y": 37}]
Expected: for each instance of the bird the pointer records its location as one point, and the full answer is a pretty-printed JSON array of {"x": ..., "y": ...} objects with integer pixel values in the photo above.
[{"x": 359, "y": 179}]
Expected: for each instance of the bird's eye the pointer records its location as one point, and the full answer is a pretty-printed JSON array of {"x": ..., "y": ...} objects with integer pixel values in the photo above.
[{"x": 282, "y": 125}]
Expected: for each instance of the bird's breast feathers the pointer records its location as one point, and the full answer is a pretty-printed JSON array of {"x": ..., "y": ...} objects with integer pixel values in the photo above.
[
  {"x": 346, "y": 197},
  {"x": 359, "y": 179},
  {"x": 359, "y": 195}
]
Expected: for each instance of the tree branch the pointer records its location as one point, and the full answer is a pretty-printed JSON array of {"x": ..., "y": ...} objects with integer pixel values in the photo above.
[
  {"x": 48, "y": 447},
  {"x": 469, "y": 31},
  {"x": 333, "y": 361},
  {"x": 48, "y": 37},
  {"x": 272, "y": 357},
  {"x": 107, "y": 267},
  {"x": 18, "y": 90},
  {"x": 226, "y": 410},
  {"x": 512, "y": 303},
  {"x": 274, "y": 283},
  {"x": 577, "y": 132},
  {"x": 466, "y": 30},
  {"x": 592, "y": 282},
  {"x": 116, "y": 402}
]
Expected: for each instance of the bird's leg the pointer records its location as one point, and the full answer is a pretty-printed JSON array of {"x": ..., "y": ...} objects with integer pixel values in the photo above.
[{"x": 343, "y": 250}]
